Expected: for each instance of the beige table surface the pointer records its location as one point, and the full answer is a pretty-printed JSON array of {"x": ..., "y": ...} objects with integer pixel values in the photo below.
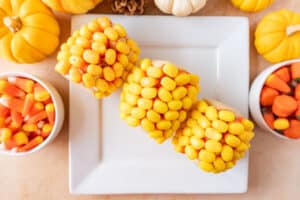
[{"x": 274, "y": 163}]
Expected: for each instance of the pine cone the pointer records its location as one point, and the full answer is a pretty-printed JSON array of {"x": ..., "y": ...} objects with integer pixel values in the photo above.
[{"x": 128, "y": 7}]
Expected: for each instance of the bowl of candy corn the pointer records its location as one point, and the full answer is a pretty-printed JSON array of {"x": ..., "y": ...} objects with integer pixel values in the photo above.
[
  {"x": 275, "y": 99},
  {"x": 31, "y": 113}
]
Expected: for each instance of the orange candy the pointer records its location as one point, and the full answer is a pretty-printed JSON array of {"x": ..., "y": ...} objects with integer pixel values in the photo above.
[
  {"x": 26, "y": 111},
  {"x": 284, "y": 106}
]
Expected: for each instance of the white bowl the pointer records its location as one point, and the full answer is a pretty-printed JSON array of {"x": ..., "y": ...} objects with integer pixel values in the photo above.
[
  {"x": 254, "y": 96},
  {"x": 59, "y": 112}
]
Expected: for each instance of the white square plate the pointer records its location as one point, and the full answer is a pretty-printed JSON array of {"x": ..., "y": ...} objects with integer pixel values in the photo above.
[{"x": 109, "y": 157}]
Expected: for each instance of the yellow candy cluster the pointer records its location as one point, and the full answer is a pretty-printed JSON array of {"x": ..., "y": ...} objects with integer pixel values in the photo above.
[
  {"x": 216, "y": 138},
  {"x": 99, "y": 55},
  {"x": 157, "y": 96}
]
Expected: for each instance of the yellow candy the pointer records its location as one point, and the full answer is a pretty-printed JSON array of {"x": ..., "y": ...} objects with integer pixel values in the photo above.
[
  {"x": 168, "y": 83},
  {"x": 182, "y": 79},
  {"x": 183, "y": 140},
  {"x": 134, "y": 88},
  {"x": 154, "y": 72},
  {"x": 213, "y": 146},
  {"x": 197, "y": 143},
  {"x": 85, "y": 32},
  {"x": 5, "y": 134},
  {"x": 29, "y": 127},
  {"x": 190, "y": 152},
  {"x": 164, "y": 125},
  {"x": 243, "y": 147},
  {"x": 145, "y": 64},
  {"x": 170, "y": 70},
  {"x": 47, "y": 128},
  {"x": 206, "y": 166},
  {"x": 202, "y": 105},
  {"x": 187, "y": 131},
  {"x": 247, "y": 136},
  {"x": 281, "y": 124},
  {"x": 160, "y": 140},
  {"x": 171, "y": 115},
  {"x": 182, "y": 115},
  {"x": 75, "y": 75},
  {"x": 138, "y": 113},
  {"x": 164, "y": 95},
  {"x": 236, "y": 128},
  {"x": 248, "y": 125},
  {"x": 179, "y": 149},
  {"x": 125, "y": 108},
  {"x": 226, "y": 116},
  {"x": 149, "y": 93},
  {"x": 100, "y": 37},
  {"x": 213, "y": 134},
  {"x": 88, "y": 80},
  {"x": 134, "y": 46},
  {"x": 179, "y": 93},
  {"x": 194, "y": 79},
  {"x": 232, "y": 140},
  {"x": 206, "y": 156},
  {"x": 191, "y": 123},
  {"x": 168, "y": 133},
  {"x": 62, "y": 67},
  {"x": 132, "y": 121},
  {"x": 109, "y": 74},
  {"x": 147, "y": 125},
  {"x": 198, "y": 132},
  {"x": 220, "y": 126},
  {"x": 123, "y": 59},
  {"x": 175, "y": 105},
  {"x": 95, "y": 70},
  {"x": 76, "y": 61},
  {"x": 227, "y": 153},
  {"x": 76, "y": 50},
  {"x": 138, "y": 74},
  {"x": 118, "y": 69},
  {"x": 145, "y": 104},
  {"x": 203, "y": 122},
  {"x": 187, "y": 103},
  {"x": 111, "y": 33},
  {"x": 131, "y": 99},
  {"x": 219, "y": 164},
  {"x": 101, "y": 85},
  {"x": 148, "y": 82},
  {"x": 176, "y": 125},
  {"x": 93, "y": 26},
  {"x": 20, "y": 138},
  {"x": 156, "y": 134},
  {"x": 110, "y": 56},
  {"x": 153, "y": 116},
  {"x": 122, "y": 47},
  {"x": 120, "y": 30},
  {"x": 192, "y": 92},
  {"x": 230, "y": 165},
  {"x": 211, "y": 113},
  {"x": 91, "y": 56},
  {"x": 82, "y": 41},
  {"x": 160, "y": 106},
  {"x": 99, "y": 47}
]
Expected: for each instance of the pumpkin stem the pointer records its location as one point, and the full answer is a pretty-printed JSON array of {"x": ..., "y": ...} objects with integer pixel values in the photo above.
[
  {"x": 13, "y": 23},
  {"x": 292, "y": 29}
]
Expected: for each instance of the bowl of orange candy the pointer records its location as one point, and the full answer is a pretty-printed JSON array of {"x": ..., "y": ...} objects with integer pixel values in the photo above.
[
  {"x": 31, "y": 113},
  {"x": 275, "y": 99}
]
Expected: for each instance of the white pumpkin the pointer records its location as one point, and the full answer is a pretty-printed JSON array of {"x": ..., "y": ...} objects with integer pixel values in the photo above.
[{"x": 180, "y": 7}]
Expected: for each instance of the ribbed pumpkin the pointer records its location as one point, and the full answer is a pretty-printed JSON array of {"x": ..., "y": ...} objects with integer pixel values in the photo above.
[
  {"x": 72, "y": 6},
  {"x": 28, "y": 31},
  {"x": 252, "y": 5},
  {"x": 277, "y": 36}
]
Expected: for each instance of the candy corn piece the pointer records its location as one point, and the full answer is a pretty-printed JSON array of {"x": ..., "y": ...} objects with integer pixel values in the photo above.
[
  {"x": 9, "y": 144},
  {"x": 37, "y": 107},
  {"x": 31, "y": 144},
  {"x": 295, "y": 69},
  {"x": 3, "y": 111},
  {"x": 20, "y": 138},
  {"x": 22, "y": 83},
  {"x": 267, "y": 96},
  {"x": 12, "y": 103},
  {"x": 28, "y": 104},
  {"x": 37, "y": 117},
  {"x": 5, "y": 134},
  {"x": 269, "y": 119},
  {"x": 17, "y": 118},
  {"x": 10, "y": 89},
  {"x": 46, "y": 130},
  {"x": 284, "y": 74},
  {"x": 40, "y": 93},
  {"x": 294, "y": 130},
  {"x": 50, "y": 113},
  {"x": 276, "y": 83}
]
